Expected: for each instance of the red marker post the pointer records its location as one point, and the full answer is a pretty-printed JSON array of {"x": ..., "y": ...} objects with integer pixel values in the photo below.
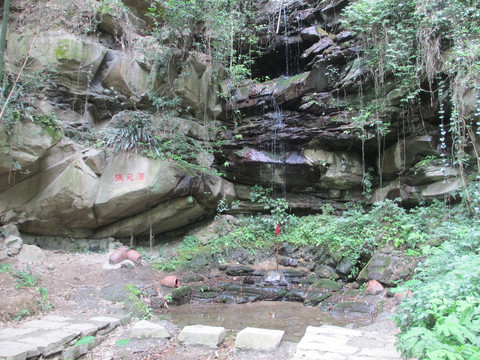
[{"x": 277, "y": 233}]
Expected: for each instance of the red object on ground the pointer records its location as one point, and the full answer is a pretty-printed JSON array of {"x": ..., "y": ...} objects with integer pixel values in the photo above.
[
  {"x": 170, "y": 281},
  {"x": 277, "y": 230}
]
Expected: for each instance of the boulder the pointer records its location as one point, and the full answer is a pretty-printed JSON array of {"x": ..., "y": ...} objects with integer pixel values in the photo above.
[
  {"x": 344, "y": 169},
  {"x": 75, "y": 58},
  {"x": 194, "y": 86},
  {"x": 31, "y": 253},
  {"x": 404, "y": 154},
  {"x": 373, "y": 287},
  {"x": 19, "y": 151},
  {"x": 382, "y": 268},
  {"x": 166, "y": 216},
  {"x": 132, "y": 184},
  {"x": 123, "y": 74},
  {"x": 13, "y": 245}
]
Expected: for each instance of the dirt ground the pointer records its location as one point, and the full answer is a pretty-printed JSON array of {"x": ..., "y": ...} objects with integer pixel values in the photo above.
[{"x": 73, "y": 282}]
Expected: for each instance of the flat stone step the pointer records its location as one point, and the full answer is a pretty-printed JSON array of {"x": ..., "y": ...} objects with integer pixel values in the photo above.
[
  {"x": 335, "y": 343},
  {"x": 52, "y": 335},
  {"x": 202, "y": 335},
  {"x": 259, "y": 339}
]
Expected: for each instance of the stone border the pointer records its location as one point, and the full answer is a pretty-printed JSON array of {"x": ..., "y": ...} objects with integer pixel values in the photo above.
[{"x": 55, "y": 336}]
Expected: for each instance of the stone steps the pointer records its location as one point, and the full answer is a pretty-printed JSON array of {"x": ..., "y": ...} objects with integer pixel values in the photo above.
[
  {"x": 335, "y": 343},
  {"x": 54, "y": 336}
]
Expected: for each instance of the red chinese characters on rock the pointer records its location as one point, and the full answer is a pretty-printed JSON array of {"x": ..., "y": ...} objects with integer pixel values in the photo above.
[{"x": 129, "y": 177}]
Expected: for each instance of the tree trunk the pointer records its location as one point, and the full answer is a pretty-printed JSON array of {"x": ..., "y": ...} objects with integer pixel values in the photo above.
[{"x": 3, "y": 35}]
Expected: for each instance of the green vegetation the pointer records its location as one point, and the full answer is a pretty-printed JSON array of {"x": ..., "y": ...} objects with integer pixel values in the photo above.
[
  {"x": 425, "y": 49},
  {"x": 26, "y": 278},
  {"x": 442, "y": 319},
  {"x": 134, "y": 133},
  {"x": 185, "y": 252},
  {"x": 137, "y": 297}
]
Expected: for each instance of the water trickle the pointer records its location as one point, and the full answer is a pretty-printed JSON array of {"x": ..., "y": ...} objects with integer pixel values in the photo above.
[
  {"x": 278, "y": 150},
  {"x": 285, "y": 38}
]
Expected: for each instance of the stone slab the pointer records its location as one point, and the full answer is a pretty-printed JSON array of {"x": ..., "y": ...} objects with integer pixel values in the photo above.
[
  {"x": 13, "y": 350},
  {"x": 85, "y": 329},
  {"x": 106, "y": 323},
  {"x": 13, "y": 333},
  {"x": 202, "y": 335},
  {"x": 259, "y": 339},
  {"x": 57, "y": 318},
  {"x": 50, "y": 342},
  {"x": 147, "y": 329},
  {"x": 42, "y": 324}
]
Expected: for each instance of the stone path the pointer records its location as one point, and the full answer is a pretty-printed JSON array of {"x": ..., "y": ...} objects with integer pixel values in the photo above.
[
  {"x": 335, "y": 343},
  {"x": 54, "y": 335}
]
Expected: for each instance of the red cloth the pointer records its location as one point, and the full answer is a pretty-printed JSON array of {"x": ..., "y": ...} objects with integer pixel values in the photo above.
[{"x": 277, "y": 230}]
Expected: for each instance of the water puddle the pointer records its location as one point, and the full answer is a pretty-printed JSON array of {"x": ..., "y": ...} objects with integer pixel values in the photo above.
[{"x": 292, "y": 317}]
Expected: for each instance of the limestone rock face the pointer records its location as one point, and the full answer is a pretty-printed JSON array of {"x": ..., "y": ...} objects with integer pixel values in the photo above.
[
  {"x": 21, "y": 151},
  {"x": 194, "y": 87},
  {"x": 76, "y": 59}
]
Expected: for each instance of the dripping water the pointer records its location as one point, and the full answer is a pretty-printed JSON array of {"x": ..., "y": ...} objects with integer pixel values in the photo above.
[
  {"x": 278, "y": 151},
  {"x": 285, "y": 39}
]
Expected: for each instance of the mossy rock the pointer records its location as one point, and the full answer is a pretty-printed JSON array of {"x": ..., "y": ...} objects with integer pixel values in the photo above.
[
  {"x": 328, "y": 285},
  {"x": 181, "y": 295}
]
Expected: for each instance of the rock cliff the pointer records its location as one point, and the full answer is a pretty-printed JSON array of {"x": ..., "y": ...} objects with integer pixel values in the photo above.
[{"x": 103, "y": 151}]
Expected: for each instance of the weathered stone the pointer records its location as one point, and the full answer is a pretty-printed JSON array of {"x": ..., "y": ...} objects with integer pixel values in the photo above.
[
  {"x": 275, "y": 277},
  {"x": 373, "y": 287},
  {"x": 239, "y": 270},
  {"x": 31, "y": 253},
  {"x": 317, "y": 49},
  {"x": 181, "y": 295},
  {"x": 123, "y": 74},
  {"x": 51, "y": 341},
  {"x": 202, "y": 335},
  {"x": 344, "y": 266},
  {"x": 328, "y": 284},
  {"x": 13, "y": 244},
  {"x": 326, "y": 272},
  {"x": 132, "y": 184},
  {"x": 147, "y": 329},
  {"x": 74, "y": 58},
  {"x": 59, "y": 198},
  {"x": 195, "y": 88},
  {"x": 259, "y": 339},
  {"x": 312, "y": 34},
  {"x": 23, "y": 149},
  {"x": 344, "y": 169},
  {"x": 381, "y": 267},
  {"x": 13, "y": 350}
]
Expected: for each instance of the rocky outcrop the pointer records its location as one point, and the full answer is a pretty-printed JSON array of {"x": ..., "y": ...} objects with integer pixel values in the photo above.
[
  {"x": 311, "y": 130},
  {"x": 79, "y": 191}
]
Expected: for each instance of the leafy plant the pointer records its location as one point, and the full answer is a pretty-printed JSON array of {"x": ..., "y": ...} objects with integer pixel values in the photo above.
[
  {"x": 136, "y": 296},
  {"x": 26, "y": 278},
  {"x": 87, "y": 340},
  {"x": 122, "y": 343},
  {"x": 5, "y": 268},
  {"x": 21, "y": 314},
  {"x": 442, "y": 319},
  {"x": 132, "y": 134}
]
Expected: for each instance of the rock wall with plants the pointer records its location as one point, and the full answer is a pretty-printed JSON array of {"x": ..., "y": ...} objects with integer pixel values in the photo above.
[{"x": 134, "y": 118}]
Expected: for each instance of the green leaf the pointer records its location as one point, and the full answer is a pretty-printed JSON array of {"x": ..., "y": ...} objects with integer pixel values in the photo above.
[
  {"x": 122, "y": 342},
  {"x": 85, "y": 340}
]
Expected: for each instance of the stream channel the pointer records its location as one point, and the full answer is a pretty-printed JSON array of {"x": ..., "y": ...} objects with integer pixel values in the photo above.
[{"x": 292, "y": 317}]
